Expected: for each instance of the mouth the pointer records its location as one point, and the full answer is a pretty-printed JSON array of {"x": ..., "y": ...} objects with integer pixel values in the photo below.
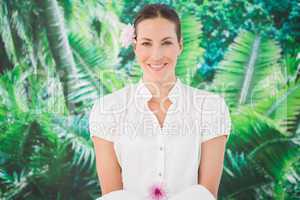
[{"x": 157, "y": 67}]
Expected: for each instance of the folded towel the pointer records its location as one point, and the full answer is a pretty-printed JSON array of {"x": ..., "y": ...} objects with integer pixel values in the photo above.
[
  {"x": 120, "y": 195},
  {"x": 194, "y": 192}
]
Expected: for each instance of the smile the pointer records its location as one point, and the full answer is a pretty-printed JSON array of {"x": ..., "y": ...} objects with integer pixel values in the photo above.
[{"x": 157, "y": 67}]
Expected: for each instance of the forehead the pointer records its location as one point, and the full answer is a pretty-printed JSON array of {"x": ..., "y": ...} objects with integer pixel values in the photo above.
[{"x": 156, "y": 28}]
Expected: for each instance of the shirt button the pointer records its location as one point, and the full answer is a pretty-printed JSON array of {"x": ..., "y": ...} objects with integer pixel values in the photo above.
[
  {"x": 159, "y": 174},
  {"x": 161, "y": 148}
]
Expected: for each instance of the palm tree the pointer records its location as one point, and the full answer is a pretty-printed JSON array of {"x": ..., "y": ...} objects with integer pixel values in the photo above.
[
  {"x": 261, "y": 152},
  {"x": 249, "y": 61},
  {"x": 192, "y": 53},
  {"x": 44, "y": 154},
  {"x": 59, "y": 45},
  {"x": 19, "y": 28}
]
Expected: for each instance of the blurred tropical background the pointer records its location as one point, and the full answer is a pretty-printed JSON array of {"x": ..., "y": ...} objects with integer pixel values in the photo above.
[{"x": 58, "y": 56}]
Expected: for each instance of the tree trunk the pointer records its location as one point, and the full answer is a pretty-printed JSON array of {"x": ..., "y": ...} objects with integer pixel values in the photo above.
[{"x": 59, "y": 45}]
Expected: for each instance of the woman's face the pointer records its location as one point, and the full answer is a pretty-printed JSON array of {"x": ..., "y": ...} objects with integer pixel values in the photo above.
[{"x": 157, "y": 48}]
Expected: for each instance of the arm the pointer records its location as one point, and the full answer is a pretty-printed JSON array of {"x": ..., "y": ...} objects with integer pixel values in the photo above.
[
  {"x": 211, "y": 164},
  {"x": 209, "y": 173},
  {"x": 108, "y": 168},
  {"x": 109, "y": 172},
  {"x": 102, "y": 125},
  {"x": 215, "y": 115}
]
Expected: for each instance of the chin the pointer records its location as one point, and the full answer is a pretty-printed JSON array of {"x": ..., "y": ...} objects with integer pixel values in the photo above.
[{"x": 158, "y": 77}]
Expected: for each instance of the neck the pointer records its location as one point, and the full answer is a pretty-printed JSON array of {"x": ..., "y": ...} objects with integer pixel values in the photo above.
[{"x": 160, "y": 89}]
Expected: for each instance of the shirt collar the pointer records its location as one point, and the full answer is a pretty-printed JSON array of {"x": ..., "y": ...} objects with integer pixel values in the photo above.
[{"x": 143, "y": 93}]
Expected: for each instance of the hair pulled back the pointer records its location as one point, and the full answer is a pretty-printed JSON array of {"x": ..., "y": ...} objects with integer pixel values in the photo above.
[{"x": 151, "y": 11}]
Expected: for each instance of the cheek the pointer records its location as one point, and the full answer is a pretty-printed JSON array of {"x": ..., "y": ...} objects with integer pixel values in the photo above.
[
  {"x": 143, "y": 54},
  {"x": 171, "y": 53}
]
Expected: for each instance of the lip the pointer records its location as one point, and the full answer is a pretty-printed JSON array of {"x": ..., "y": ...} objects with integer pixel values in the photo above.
[{"x": 157, "y": 68}]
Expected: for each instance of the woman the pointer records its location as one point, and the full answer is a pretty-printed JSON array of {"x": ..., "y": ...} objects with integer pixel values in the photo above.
[{"x": 159, "y": 138}]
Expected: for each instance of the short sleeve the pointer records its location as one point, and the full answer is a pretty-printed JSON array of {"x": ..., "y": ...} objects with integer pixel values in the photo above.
[
  {"x": 102, "y": 121},
  {"x": 215, "y": 118}
]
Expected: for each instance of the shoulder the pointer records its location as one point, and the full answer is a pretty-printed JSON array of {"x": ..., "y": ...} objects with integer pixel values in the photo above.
[
  {"x": 112, "y": 101},
  {"x": 102, "y": 116},
  {"x": 201, "y": 101},
  {"x": 201, "y": 95}
]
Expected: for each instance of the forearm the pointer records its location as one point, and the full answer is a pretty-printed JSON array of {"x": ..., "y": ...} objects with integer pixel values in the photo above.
[{"x": 194, "y": 192}]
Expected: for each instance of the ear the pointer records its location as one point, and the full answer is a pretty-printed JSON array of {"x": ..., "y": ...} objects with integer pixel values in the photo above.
[
  {"x": 181, "y": 46},
  {"x": 134, "y": 45}
]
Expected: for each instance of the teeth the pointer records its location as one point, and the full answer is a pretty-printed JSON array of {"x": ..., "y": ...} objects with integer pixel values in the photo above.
[{"x": 156, "y": 66}]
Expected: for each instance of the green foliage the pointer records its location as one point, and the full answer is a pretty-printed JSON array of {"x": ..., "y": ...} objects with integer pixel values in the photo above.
[
  {"x": 243, "y": 73},
  {"x": 38, "y": 151},
  {"x": 53, "y": 70},
  {"x": 187, "y": 62},
  {"x": 225, "y": 19}
]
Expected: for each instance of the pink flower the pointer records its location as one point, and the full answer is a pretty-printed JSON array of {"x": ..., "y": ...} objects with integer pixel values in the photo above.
[
  {"x": 127, "y": 35},
  {"x": 157, "y": 191}
]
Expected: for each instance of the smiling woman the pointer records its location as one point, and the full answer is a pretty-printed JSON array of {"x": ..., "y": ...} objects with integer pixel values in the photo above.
[
  {"x": 157, "y": 47},
  {"x": 150, "y": 134}
]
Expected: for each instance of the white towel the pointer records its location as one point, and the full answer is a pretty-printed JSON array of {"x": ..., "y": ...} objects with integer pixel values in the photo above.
[
  {"x": 119, "y": 195},
  {"x": 194, "y": 192}
]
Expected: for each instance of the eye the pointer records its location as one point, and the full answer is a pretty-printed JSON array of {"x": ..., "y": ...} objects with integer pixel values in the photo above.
[
  {"x": 167, "y": 43},
  {"x": 145, "y": 43}
]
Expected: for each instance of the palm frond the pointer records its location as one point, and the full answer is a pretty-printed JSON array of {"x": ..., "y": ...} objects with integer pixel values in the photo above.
[
  {"x": 276, "y": 156},
  {"x": 74, "y": 131},
  {"x": 241, "y": 177},
  {"x": 94, "y": 77},
  {"x": 19, "y": 26},
  {"x": 251, "y": 129},
  {"x": 15, "y": 184},
  {"x": 12, "y": 90},
  {"x": 98, "y": 24},
  {"x": 248, "y": 61},
  {"x": 291, "y": 67},
  {"x": 12, "y": 143},
  {"x": 283, "y": 108},
  {"x": 6, "y": 32},
  {"x": 56, "y": 165},
  {"x": 290, "y": 182},
  {"x": 265, "y": 144},
  {"x": 187, "y": 62},
  {"x": 88, "y": 59},
  {"x": 258, "y": 168},
  {"x": 277, "y": 159}
]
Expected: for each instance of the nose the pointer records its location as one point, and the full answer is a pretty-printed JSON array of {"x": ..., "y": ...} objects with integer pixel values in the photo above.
[{"x": 157, "y": 53}]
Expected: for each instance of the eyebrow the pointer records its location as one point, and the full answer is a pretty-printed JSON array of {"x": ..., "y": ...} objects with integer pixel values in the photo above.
[{"x": 161, "y": 40}]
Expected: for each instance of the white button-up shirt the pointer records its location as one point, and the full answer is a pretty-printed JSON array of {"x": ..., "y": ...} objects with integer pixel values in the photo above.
[{"x": 148, "y": 154}]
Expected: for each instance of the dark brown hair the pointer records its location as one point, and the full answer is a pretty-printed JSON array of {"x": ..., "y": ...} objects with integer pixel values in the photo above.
[{"x": 151, "y": 11}]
